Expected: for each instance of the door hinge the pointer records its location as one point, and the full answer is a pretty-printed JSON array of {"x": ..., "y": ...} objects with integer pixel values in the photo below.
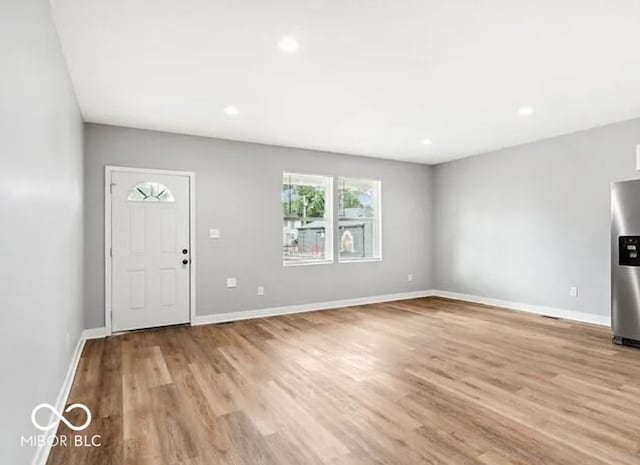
[
  {"x": 111, "y": 187},
  {"x": 111, "y": 251}
]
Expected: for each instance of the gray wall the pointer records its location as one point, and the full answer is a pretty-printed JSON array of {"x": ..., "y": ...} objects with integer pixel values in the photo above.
[
  {"x": 527, "y": 223},
  {"x": 40, "y": 220},
  {"x": 238, "y": 190}
]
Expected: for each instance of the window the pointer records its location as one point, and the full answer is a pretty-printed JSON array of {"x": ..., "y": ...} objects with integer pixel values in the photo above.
[
  {"x": 307, "y": 225},
  {"x": 150, "y": 191},
  {"x": 359, "y": 225}
]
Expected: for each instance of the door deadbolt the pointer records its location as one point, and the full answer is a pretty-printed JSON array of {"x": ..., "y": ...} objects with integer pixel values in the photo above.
[{"x": 185, "y": 251}]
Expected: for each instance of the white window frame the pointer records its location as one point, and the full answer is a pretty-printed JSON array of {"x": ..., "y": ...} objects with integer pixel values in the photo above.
[
  {"x": 329, "y": 222},
  {"x": 377, "y": 220}
]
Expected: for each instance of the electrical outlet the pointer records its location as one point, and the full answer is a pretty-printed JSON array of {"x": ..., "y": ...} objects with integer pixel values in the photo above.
[
  {"x": 410, "y": 277},
  {"x": 214, "y": 234},
  {"x": 260, "y": 290},
  {"x": 573, "y": 291},
  {"x": 232, "y": 282}
]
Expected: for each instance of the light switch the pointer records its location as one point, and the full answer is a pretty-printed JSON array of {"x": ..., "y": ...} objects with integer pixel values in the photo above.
[
  {"x": 232, "y": 282},
  {"x": 214, "y": 234}
]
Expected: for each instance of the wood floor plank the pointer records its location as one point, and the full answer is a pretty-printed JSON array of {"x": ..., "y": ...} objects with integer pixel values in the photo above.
[{"x": 422, "y": 381}]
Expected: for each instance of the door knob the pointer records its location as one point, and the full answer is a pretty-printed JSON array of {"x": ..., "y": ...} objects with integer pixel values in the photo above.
[{"x": 185, "y": 262}]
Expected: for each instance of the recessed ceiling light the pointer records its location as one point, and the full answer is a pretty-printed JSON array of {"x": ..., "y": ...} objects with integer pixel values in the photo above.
[
  {"x": 427, "y": 141},
  {"x": 525, "y": 111},
  {"x": 288, "y": 44},
  {"x": 231, "y": 110}
]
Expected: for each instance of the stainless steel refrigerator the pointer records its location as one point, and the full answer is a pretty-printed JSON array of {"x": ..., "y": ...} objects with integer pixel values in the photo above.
[{"x": 625, "y": 262}]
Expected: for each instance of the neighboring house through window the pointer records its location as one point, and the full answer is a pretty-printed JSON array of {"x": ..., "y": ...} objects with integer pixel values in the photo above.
[
  {"x": 359, "y": 219},
  {"x": 307, "y": 221}
]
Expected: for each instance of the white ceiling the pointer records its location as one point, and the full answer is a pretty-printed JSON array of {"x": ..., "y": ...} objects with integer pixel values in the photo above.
[{"x": 371, "y": 77}]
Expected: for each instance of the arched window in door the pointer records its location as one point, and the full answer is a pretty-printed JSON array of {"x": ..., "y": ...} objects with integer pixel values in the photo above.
[{"x": 150, "y": 192}]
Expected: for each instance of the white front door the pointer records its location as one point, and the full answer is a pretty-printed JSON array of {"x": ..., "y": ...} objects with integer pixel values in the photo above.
[{"x": 150, "y": 250}]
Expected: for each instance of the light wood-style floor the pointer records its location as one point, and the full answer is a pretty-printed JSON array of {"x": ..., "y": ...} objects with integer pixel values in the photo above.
[{"x": 424, "y": 381}]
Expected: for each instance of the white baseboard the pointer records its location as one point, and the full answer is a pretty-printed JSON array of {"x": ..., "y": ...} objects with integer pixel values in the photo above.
[
  {"x": 287, "y": 310},
  {"x": 506, "y": 304},
  {"x": 94, "y": 333},
  {"x": 42, "y": 452},
  {"x": 603, "y": 320}
]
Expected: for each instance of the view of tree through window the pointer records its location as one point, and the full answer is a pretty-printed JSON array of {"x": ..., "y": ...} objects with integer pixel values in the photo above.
[
  {"x": 304, "y": 201},
  {"x": 359, "y": 224},
  {"x": 307, "y": 227}
]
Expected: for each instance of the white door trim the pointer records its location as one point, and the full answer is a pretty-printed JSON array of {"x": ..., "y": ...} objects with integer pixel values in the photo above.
[{"x": 108, "y": 170}]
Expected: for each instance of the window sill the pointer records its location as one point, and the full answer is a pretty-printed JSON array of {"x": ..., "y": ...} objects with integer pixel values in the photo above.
[
  {"x": 307, "y": 263},
  {"x": 360, "y": 260}
]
